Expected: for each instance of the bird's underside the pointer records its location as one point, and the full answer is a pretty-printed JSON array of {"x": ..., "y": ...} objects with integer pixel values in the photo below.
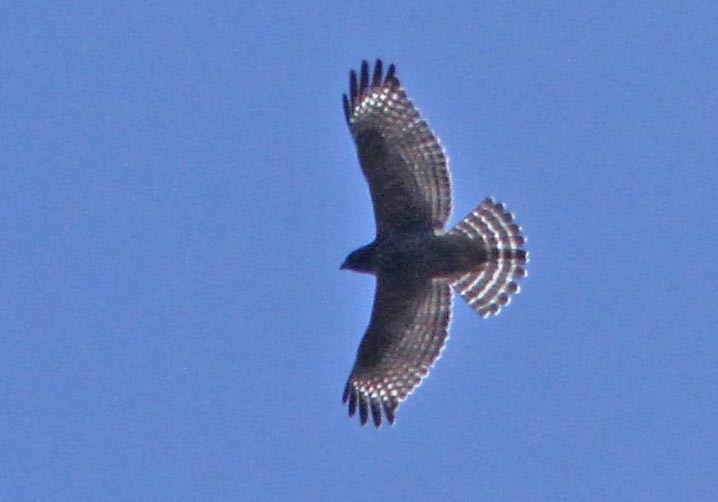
[{"x": 416, "y": 262}]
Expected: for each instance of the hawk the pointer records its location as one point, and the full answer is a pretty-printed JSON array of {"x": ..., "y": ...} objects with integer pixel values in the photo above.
[{"x": 416, "y": 261}]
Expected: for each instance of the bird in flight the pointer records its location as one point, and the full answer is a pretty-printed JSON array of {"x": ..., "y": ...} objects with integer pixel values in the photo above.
[{"x": 415, "y": 260}]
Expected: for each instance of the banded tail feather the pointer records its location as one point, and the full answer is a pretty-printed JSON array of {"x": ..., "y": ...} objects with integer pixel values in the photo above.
[{"x": 489, "y": 288}]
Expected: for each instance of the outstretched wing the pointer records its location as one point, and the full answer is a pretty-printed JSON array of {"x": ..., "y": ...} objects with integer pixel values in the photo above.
[
  {"x": 409, "y": 327},
  {"x": 403, "y": 162}
]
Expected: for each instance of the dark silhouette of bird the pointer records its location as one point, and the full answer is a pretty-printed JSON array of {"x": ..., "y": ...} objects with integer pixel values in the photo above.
[{"x": 415, "y": 260}]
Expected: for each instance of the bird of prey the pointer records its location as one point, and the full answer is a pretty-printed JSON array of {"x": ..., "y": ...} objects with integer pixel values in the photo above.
[{"x": 415, "y": 260}]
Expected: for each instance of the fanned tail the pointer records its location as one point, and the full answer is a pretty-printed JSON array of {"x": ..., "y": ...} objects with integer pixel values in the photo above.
[{"x": 490, "y": 287}]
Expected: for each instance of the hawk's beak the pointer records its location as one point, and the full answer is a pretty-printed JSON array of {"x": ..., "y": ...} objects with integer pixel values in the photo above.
[{"x": 343, "y": 266}]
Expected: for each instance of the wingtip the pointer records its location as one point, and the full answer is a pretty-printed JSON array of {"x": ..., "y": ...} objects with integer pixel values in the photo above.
[
  {"x": 363, "y": 411},
  {"x": 389, "y": 412},
  {"x": 391, "y": 74},
  {"x": 372, "y": 410},
  {"x": 353, "y": 86},
  {"x": 376, "y": 80},
  {"x": 364, "y": 79},
  {"x": 345, "y": 394},
  {"x": 347, "y": 110},
  {"x": 352, "y": 404},
  {"x": 376, "y": 413}
]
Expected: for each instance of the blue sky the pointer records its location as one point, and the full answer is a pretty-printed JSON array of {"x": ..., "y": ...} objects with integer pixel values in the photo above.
[{"x": 178, "y": 189}]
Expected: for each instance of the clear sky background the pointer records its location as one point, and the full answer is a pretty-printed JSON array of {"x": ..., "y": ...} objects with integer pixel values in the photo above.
[{"x": 178, "y": 189}]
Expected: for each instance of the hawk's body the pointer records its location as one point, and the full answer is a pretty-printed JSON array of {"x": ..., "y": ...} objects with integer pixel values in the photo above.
[{"x": 416, "y": 263}]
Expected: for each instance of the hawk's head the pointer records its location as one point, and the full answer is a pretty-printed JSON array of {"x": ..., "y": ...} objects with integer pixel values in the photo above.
[{"x": 361, "y": 260}]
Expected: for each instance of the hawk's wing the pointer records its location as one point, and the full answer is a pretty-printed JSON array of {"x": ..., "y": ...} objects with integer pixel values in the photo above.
[
  {"x": 402, "y": 160},
  {"x": 409, "y": 326}
]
